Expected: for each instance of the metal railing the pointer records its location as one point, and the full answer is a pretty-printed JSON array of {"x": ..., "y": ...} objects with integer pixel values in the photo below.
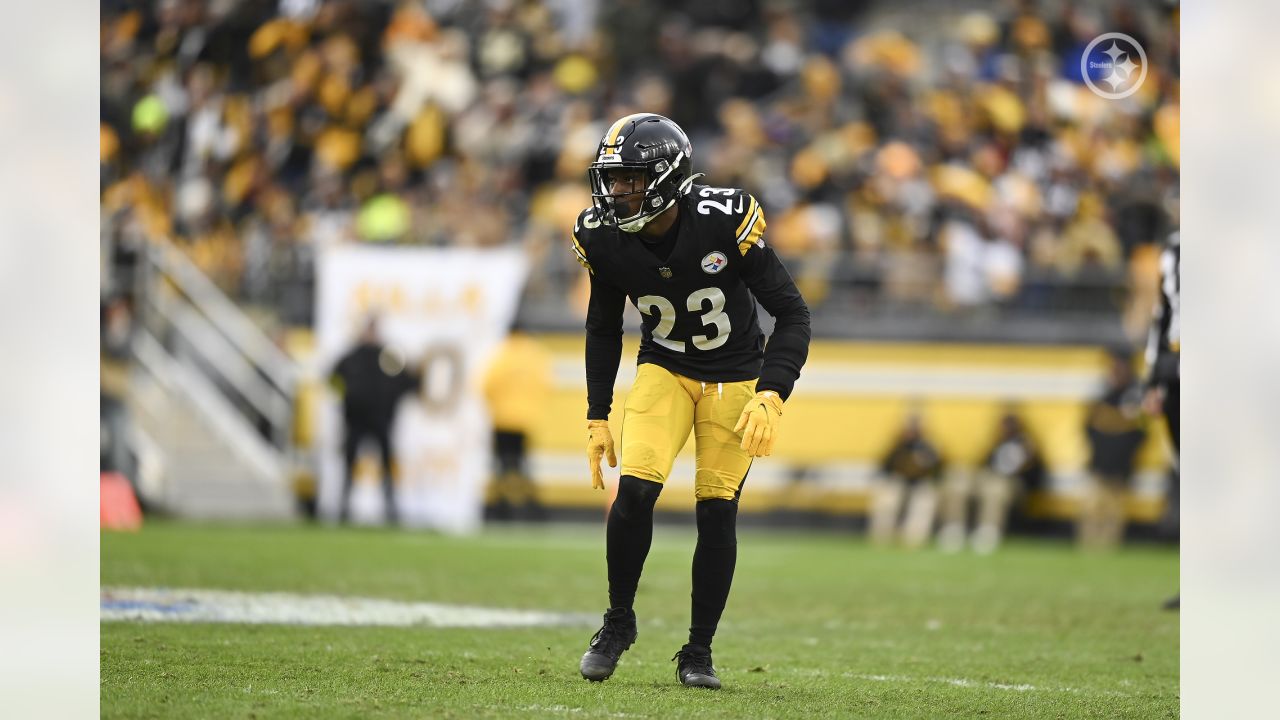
[
  {"x": 876, "y": 301},
  {"x": 246, "y": 385}
]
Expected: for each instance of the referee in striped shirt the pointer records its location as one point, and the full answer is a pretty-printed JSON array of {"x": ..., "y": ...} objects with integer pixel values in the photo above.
[{"x": 1163, "y": 345}]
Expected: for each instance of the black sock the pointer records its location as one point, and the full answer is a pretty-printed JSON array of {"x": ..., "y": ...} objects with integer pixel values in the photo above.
[
  {"x": 628, "y": 536},
  {"x": 713, "y": 564}
]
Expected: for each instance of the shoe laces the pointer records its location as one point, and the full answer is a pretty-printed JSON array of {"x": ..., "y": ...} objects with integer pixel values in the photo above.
[
  {"x": 615, "y": 635},
  {"x": 694, "y": 659}
]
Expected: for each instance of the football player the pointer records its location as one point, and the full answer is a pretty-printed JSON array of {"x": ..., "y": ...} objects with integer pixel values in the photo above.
[
  {"x": 692, "y": 259},
  {"x": 1163, "y": 380}
]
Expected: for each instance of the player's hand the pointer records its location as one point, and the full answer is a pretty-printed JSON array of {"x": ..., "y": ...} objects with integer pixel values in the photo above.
[
  {"x": 599, "y": 443},
  {"x": 759, "y": 423}
]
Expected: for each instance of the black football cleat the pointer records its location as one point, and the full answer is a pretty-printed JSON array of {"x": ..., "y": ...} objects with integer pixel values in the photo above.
[
  {"x": 608, "y": 644},
  {"x": 694, "y": 668}
]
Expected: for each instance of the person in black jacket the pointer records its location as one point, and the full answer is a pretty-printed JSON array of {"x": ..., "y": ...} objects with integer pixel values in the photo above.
[
  {"x": 371, "y": 379},
  {"x": 1115, "y": 428}
]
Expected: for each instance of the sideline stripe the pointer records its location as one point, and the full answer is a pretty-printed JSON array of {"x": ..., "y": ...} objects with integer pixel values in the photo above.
[{"x": 229, "y": 606}]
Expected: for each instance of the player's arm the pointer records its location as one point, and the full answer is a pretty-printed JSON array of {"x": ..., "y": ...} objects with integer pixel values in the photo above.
[
  {"x": 604, "y": 345},
  {"x": 788, "y": 346},
  {"x": 891, "y": 469},
  {"x": 603, "y": 353},
  {"x": 769, "y": 281},
  {"x": 338, "y": 375}
]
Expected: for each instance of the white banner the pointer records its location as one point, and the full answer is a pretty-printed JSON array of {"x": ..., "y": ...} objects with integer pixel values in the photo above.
[{"x": 446, "y": 310}]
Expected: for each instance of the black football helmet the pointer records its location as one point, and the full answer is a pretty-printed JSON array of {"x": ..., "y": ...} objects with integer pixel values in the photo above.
[{"x": 649, "y": 143}]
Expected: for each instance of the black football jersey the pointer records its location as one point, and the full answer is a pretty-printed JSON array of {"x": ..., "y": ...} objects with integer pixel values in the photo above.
[{"x": 698, "y": 305}]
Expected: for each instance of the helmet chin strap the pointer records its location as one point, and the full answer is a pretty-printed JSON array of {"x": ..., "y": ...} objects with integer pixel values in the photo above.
[{"x": 637, "y": 222}]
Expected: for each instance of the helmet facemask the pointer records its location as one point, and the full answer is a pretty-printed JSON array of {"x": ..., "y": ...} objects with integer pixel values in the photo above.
[{"x": 660, "y": 183}]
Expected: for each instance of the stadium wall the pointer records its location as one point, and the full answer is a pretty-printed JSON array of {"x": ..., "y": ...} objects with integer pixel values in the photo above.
[{"x": 849, "y": 404}]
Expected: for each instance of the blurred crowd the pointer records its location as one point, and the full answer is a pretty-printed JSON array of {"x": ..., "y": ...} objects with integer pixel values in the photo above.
[{"x": 925, "y": 158}]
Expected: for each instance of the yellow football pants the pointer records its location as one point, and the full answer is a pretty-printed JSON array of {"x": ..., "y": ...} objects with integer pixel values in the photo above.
[{"x": 661, "y": 409}]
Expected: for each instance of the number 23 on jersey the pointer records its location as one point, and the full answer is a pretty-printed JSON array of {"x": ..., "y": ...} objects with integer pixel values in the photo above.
[{"x": 697, "y": 302}]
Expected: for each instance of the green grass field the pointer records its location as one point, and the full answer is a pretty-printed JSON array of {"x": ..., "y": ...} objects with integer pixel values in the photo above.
[{"x": 817, "y": 626}]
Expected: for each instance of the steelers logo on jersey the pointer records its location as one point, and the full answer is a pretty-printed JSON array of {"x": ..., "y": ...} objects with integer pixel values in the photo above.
[{"x": 714, "y": 262}]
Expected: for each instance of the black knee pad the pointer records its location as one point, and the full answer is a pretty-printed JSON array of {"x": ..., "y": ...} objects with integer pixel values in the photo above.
[
  {"x": 717, "y": 522},
  {"x": 636, "y": 497}
]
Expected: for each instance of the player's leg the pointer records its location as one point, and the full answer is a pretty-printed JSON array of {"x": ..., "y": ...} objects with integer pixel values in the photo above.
[
  {"x": 1114, "y": 519},
  {"x": 657, "y": 416},
  {"x": 628, "y": 533},
  {"x": 1088, "y": 517},
  {"x": 497, "y": 494},
  {"x": 721, "y": 471},
  {"x": 922, "y": 510},
  {"x": 956, "y": 490},
  {"x": 383, "y": 437},
  {"x": 887, "y": 494},
  {"x": 529, "y": 504},
  {"x": 512, "y": 494},
  {"x": 350, "y": 450},
  {"x": 995, "y": 494}
]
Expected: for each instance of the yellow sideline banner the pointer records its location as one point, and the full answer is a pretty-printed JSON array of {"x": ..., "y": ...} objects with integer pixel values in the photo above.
[{"x": 848, "y": 406}]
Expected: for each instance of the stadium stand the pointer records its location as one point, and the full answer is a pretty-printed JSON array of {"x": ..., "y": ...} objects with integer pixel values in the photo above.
[{"x": 932, "y": 170}]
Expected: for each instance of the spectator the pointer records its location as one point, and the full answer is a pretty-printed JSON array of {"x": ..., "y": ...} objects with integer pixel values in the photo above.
[
  {"x": 1115, "y": 430},
  {"x": 1089, "y": 243},
  {"x": 905, "y": 499},
  {"x": 1012, "y": 467},
  {"x": 371, "y": 378},
  {"x": 448, "y": 123},
  {"x": 516, "y": 385}
]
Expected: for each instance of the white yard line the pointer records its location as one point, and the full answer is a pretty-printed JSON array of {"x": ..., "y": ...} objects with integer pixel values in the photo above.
[
  {"x": 228, "y": 606},
  {"x": 562, "y": 709},
  {"x": 965, "y": 682}
]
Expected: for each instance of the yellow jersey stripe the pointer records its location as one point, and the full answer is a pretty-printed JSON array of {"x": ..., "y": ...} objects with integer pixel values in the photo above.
[
  {"x": 746, "y": 218},
  {"x": 749, "y": 224},
  {"x": 581, "y": 256},
  {"x": 754, "y": 236}
]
